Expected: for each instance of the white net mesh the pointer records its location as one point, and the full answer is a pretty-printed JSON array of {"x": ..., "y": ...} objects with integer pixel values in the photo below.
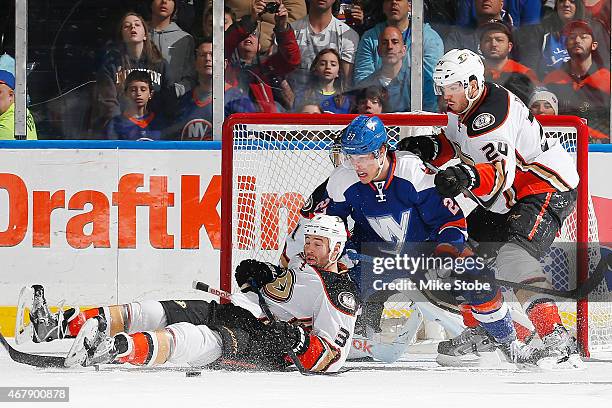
[{"x": 277, "y": 166}]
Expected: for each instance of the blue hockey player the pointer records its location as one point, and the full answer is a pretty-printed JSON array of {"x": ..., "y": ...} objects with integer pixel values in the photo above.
[{"x": 392, "y": 198}]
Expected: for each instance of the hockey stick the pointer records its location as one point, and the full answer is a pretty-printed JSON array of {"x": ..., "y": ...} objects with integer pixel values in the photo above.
[
  {"x": 204, "y": 287},
  {"x": 35, "y": 360}
]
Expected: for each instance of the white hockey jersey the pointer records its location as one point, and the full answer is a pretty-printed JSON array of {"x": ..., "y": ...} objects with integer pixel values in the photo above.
[
  {"x": 514, "y": 159},
  {"x": 323, "y": 302}
]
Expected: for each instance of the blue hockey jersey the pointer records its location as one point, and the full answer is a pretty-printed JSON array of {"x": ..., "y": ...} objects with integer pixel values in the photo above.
[{"x": 403, "y": 208}]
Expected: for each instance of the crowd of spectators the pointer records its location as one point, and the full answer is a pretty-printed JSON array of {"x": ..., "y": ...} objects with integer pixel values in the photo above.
[{"x": 344, "y": 56}]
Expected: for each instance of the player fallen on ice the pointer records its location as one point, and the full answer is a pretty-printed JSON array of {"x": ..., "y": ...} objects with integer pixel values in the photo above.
[
  {"x": 525, "y": 185},
  {"x": 313, "y": 300},
  {"x": 392, "y": 199}
]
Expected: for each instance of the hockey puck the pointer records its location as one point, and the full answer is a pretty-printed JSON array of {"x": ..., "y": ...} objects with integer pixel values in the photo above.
[{"x": 193, "y": 373}]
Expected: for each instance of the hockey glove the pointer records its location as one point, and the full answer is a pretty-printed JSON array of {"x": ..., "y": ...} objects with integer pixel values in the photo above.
[
  {"x": 426, "y": 147},
  {"x": 451, "y": 181},
  {"x": 290, "y": 335},
  {"x": 251, "y": 272}
]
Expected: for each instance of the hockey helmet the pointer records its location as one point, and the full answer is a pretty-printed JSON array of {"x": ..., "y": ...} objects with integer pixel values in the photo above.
[
  {"x": 459, "y": 66},
  {"x": 365, "y": 134},
  {"x": 330, "y": 227}
]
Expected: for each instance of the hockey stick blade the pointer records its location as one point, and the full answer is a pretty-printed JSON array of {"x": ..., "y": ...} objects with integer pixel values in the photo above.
[{"x": 35, "y": 360}]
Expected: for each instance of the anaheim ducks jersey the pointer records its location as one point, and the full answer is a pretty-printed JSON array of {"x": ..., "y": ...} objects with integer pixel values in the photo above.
[
  {"x": 507, "y": 145},
  {"x": 325, "y": 303}
]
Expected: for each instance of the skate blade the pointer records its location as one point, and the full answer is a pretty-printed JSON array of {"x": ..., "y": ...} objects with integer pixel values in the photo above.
[
  {"x": 23, "y": 332},
  {"x": 77, "y": 355},
  {"x": 486, "y": 359},
  {"x": 573, "y": 363}
]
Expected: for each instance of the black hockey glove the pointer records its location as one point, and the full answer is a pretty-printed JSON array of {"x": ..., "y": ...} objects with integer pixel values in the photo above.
[
  {"x": 452, "y": 181},
  {"x": 426, "y": 147},
  {"x": 251, "y": 272},
  {"x": 291, "y": 335}
]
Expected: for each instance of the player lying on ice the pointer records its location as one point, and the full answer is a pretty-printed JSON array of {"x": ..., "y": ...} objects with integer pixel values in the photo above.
[
  {"x": 314, "y": 301},
  {"x": 525, "y": 185},
  {"x": 392, "y": 198}
]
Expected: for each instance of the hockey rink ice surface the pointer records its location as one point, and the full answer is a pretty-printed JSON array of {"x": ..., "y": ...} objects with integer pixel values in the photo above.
[{"x": 414, "y": 381}]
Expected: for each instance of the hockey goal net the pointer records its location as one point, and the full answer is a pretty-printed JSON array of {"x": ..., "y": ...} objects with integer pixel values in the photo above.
[{"x": 272, "y": 163}]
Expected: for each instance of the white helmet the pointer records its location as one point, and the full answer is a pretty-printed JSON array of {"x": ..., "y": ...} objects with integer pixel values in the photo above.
[
  {"x": 459, "y": 66},
  {"x": 330, "y": 227}
]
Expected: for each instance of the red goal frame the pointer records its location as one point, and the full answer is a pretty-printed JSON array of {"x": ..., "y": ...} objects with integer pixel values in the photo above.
[{"x": 582, "y": 233}]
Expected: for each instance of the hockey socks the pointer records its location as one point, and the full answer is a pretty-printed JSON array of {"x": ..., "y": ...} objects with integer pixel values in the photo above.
[
  {"x": 116, "y": 316},
  {"x": 494, "y": 317},
  {"x": 544, "y": 314},
  {"x": 144, "y": 348}
]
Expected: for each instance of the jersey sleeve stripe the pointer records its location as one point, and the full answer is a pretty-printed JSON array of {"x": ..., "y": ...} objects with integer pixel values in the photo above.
[
  {"x": 461, "y": 224},
  {"x": 447, "y": 151},
  {"x": 319, "y": 355},
  {"x": 546, "y": 174},
  {"x": 492, "y": 178}
]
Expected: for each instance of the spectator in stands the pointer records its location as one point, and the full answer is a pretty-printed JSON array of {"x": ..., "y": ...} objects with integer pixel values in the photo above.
[
  {"x": 175, "y": 45},
  {"x": 136, "y": 122},
  {"x": 469, "y": 37},
  {"x": 394, "y": 73},
  {"x": 397, "y": 14},
  {"x": 543, "y": 102},
  {"x": 496, "y": 42},
  {"x": 7, "y": 110},
  {"x": 319, "y": 30},
  {"x": 262, "y": 80},
  {"x": 599, "y": 10},
  {"x": 135, "y": 51},
  {"x": 296, "y": 9},
  {"x": 522, "y": 12},
  {"x": 582, "y": 86},
  {"x": 326, "y": 83},
  {"x": 372, "y": 100},
  {"x": 543, "y": 45},
  {"x": 194, "y": 122},
  {"x": 229, "y": 18},
  {"x": 310, "y": 107},
  {"x": 360, "y": 15}
]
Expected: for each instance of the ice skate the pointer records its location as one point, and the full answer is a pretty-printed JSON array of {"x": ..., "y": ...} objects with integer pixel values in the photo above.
[
  {"x": 473, "y": 347},
  {"x": 92, "y": 345},
  {"x": 44, "y": 325},
  {"x": 561, "y": 351}
]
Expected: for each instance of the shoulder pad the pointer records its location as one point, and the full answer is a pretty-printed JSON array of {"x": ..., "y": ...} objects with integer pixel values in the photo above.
[
  {"x": 318, "y": 195},
  {"x": 340, "y": 291},
  {"x": 491, "y": 113},
  {"x": 411, "y": 168},
  {"x": 339, "y": 181}
]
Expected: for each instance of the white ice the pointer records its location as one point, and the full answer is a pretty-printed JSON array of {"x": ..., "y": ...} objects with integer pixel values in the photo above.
[{"x": 415, "y": 381}]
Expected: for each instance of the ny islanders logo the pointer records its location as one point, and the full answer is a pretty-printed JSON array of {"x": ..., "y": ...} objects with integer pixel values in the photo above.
[
  {"x": 390, "y": 230},
  {"x": 197, "y": 130}
]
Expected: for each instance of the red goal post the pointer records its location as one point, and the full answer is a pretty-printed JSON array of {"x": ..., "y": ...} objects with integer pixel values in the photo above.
[{"x": 272, "y": 162}]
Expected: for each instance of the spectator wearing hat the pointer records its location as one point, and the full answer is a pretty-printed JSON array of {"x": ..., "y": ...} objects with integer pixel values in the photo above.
[
  {"x": 543, "y": 102},
  {"x": 582, "y": 86},
  {"x": 7, "y": 110},
  {"x": 496, "y": 43},
  {"x": 469, "y": 37},
  {"x": 543, "y": 45}
]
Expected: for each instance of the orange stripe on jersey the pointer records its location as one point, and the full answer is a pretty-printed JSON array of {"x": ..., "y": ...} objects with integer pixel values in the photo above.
[
  {"x": 492, "y": 178},
  {"x": 542, "y": 173},
  {"x": 490, "y": 306},
  {"x": 539, "y": 218},
  {"x": 391, "y": 171},
  {"x": 457, "y": 223},
  {"x": 447, "y": 151},
  {"x": 319, "y": 355},
  {"x": 144, "y": 121}
]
